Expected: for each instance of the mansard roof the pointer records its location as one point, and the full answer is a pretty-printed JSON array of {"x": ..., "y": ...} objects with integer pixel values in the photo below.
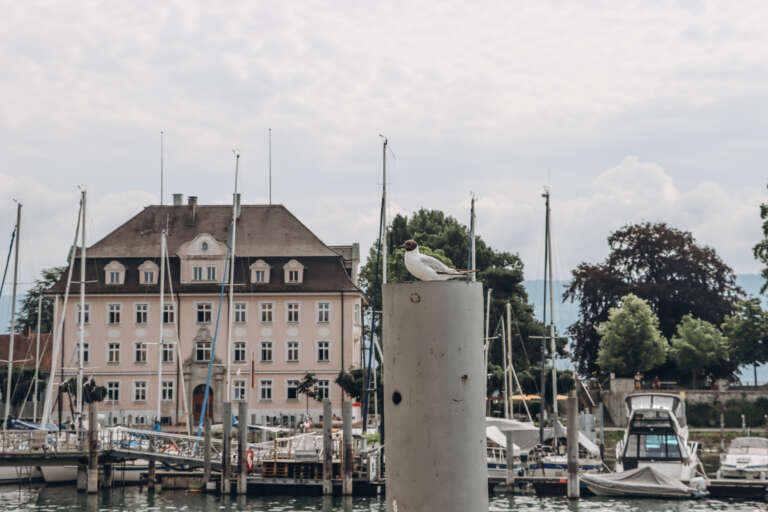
[{"x": 262, "y": 230}]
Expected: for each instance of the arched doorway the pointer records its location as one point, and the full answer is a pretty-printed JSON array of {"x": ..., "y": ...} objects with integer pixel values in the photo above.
[{"x": 197, "y": 402}]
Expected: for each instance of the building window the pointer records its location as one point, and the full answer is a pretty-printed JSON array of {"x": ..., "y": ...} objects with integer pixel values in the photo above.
[
  {"x": 140, "y": 352},
  {"x": 323, "y": 389},
  {"x": 323, "y": 312},
  {"x": 266, "y": 351},
  {"x": 203, "y": 351},
  {"x": 168, "y": 353},
  {"x": 113, "y": 391},
  {"x": 241, "y": 308},
  {"x": 86, "y": 352},
  {"x": 266, "y": 311},
  {"x": 293, "y": 276},
  {"x": 114, "y": 272},
  {"x": 259, "y": 272},
  {"x": 211, "y": 273},
  {"x": 197, "y": 273},
  {"x": 113, "y": 316},
  {"x": 357, "y": 314},
  {"x": 169, "y": 313},
  {"x": 292, "y": 390},
  {"x": 204, "y": 310},
  {"x": 265, "y": 389},
  {"x": 259, "y": 276},
  {"x": 167, "y": 395},
  {"x": 239, "y": 352},
  {"x": 323, "y": 351},
  {"x": 293, "y": 312},
  {"x": 238, "y": 390},
  {"x": 140, "y": 420},
  {"x": 86, "y": 316},
  {"x": 113, "y": 353},
  {"x": 149, "y": 277},
  {"x": 140, "y": 391},
  {"x": 142, "y": 313},
  {"x": 114, "y": 277},
  {"x": 292, "y": 351}
]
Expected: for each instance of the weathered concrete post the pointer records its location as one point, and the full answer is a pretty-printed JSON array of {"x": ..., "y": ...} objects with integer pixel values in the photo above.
[
  {"x": 226, "y": 453},
  {"x": 151, "y": 476},
  {"x": 601, "y": 413},
  {"x": 327, "y": 448},
  {"x": 242, "y": 446},
  {"x": 722, "y": 433},
  {"x": 93, "y": 451},
  {"x": 434, "y": 389},
  {"x": 348, "y": 460},
  {"x": 510, "y": 476},
  {"x": 207, "y": 452},
  {"x": 573, "y": 446}
]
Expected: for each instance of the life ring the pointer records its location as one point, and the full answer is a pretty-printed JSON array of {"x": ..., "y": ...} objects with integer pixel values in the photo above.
[{"x": 249, "y": 459}]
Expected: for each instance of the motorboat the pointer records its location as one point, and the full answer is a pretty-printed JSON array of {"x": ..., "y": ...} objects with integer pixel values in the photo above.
[
  {"x": 551, "y": 459},
  {"x": 643, "y": 482},
  {"x": 747, "y": 457},
  {"x": 657, "y": 436}
]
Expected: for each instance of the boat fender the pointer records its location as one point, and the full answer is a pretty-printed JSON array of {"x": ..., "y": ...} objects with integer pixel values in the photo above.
[
  {"x": 699, "y": 483},
  {"x": 249, "y": 459}
]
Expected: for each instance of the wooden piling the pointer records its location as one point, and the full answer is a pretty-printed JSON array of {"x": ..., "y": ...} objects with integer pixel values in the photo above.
[
  {"x": 573, "y": 446},
  {"x": 207, "y": 453},
  {"x": 93, "y": 451},
  {"x": 226, "y": 454},
  {"x": 151, "y": 477},
  {"x": 242, "y": 446},
  {"x": 348, "y": 461},
  {"x": 510, "y": 475},
  {"x": 327, "y": 448}
]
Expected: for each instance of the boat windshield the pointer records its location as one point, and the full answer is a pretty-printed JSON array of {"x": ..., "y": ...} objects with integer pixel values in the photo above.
[
  {"x": 749, "y": 446},
  {"x": 657, "y": 447}
]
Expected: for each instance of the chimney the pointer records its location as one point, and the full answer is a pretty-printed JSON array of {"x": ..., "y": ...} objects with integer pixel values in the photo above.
[
  {"x": 192, "y": 203},
  {"x": 236, "y": 200},
  {"x": 178, "y": 199}
]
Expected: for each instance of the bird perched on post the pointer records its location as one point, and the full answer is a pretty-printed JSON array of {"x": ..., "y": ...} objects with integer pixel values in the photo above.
[{"x": 427, "y": 268}]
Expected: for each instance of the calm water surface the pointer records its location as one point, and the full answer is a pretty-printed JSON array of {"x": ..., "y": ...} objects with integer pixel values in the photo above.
[{"x": 57, "y": 499}]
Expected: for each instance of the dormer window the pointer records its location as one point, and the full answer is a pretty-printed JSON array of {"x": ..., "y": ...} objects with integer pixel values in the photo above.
[
  {"x": 148, "y": 273},
  {"x": 204, "y": 246},
  {"x": 259, "y": 272},
  {"x": 294, "y": 272},
  {"x": 114, "y": 273}
]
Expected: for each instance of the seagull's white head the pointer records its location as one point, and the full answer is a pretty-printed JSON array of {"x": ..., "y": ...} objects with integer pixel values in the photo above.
[{"x": 409, "y": 245}]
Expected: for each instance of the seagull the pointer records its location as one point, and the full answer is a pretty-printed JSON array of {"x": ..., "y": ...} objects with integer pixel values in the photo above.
[{"x": 427, "y": 268}]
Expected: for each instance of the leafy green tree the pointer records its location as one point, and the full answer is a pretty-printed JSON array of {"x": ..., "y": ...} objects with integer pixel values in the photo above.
[
  {"x": 22, "y": 385},
  {"x": 630, "y": 340},
  {"x": 760, "y": 250},
  {"x": 26, "y": 318},
  {"x": 308, "y": 387},
  {"x": 747, "y": 333},
  {"x": 664, "y": 266},
  {"x": 697, "y": 347}
]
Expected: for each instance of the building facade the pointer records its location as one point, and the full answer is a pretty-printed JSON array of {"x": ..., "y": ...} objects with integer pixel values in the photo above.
[{"x": 296, "y": 311}]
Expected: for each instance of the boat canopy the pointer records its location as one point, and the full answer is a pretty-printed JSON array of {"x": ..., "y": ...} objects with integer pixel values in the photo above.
[
  {"x": 749, "y": 446},
  {"x": 497, "y": 436},
  {"x": 663, "y": 401}
]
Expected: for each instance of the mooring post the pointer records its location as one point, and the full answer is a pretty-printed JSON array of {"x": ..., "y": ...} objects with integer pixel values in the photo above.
[
  {"x": 207, "y": 452},
  {"x": 348, "y": 461},
  {"x": 601, "y": 414},
  {"x": 242, "y": 446},
  {"x": 93, "y": 451},
  {"x": 722, "y": 433},
  {"x": 151, "y": 476},
  {"x": 510, "y": 476},
  {"x": 226, "y": 449},
  {"x": 573, "y": 445},
  {"x": 434, "y": 388},
  {"x": 327, "y": 448}
]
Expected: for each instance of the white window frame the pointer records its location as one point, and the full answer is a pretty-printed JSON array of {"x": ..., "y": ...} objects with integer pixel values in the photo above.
[
  {"x": 141, "y": 313},
  {"x": 143, "y": 346},
  {"x": 240, "y": 347},
  {"x": 357, "y": 313},
  {"x": 241, "y": 312},
  {"x": 86, "y": 352},
  {"x": 87, "y": 316},
  {"x": 113, "y": 391},
  {"x": 288, "y": 311},
  {"x": 239, "y": 390},
  {"x": 289, "y": 350},
  {"x": 266, "y": 345},
  {"x": 266, "y": 308},
  {"x": 169, "y": 313},
  {"x": 116, "y": 346},
  {"x": 326, "y": 349},
  {"x": 323, "y": 384},
  {"x": 199, "y": 345},
  {"x": 259, "y": 275},
  {"x": 266, "y": 385},
  {"x": 197, "y": 273},
  {"x": 168, "y": 352},
  {"x": 288, "y": 386},
  {"x": 260, "y": 266},
  {"x": 198, "y": 306},
  {"x": 148, "y": 277},
  {"x": 323, "y": 311},
  {"x": 168, "y": 391},
  {"x": 210, "y": 272},
  {"x": 140, "y": 385},
  {"x": 118, "y": 310}
]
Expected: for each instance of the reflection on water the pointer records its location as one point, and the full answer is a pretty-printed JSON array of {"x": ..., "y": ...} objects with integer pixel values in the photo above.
[{"x": 58, "y": 499}]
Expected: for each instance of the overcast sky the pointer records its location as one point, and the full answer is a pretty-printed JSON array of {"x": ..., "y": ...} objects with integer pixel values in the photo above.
[{"x": 629, "y": 111}]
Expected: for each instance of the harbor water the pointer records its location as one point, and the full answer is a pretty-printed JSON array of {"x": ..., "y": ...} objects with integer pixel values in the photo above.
[{"x": 66, "y": 498}]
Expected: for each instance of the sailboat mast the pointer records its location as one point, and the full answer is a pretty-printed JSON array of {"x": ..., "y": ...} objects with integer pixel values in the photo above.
[
  {"x": 543, "y": 374},
  {"x": 81, "y": 351},
  {"x": 161, "y": 337},
  {"x": 13, "y": 316},
  {"x": 552, "y": 341},
  {"x": 487, "y": 344},
  {"x": 510, "y": 368},
  {"x": 37, "y": 355},
  {"x": 384, "y": 212},
  {"x": 232, "y": 282},
  {"x": 505, "y": 368},
  {"x": 472, "y": 241}
]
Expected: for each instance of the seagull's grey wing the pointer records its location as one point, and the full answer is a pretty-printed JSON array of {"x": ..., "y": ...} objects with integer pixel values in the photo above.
[{"x": 436, "y": 265}]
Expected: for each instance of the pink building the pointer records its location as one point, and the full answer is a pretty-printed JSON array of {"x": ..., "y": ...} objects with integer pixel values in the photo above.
[{"x": 296, "y": 310}]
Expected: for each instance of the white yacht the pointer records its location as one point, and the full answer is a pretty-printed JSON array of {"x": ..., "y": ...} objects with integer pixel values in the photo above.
[
  {"x": 657, "y": 436},
  {"x": 747, "y": 457},
  {"x": 496, "y": 451}
]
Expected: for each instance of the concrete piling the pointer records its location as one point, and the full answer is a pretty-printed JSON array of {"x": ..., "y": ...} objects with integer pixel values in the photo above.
[
  {"x": 226, "y": 455},
  {"x": 510, "y": 475},
  {"x": 242, "y": 447},
  {"x": 434, "y": 390},
  {"x": 93, "y": 451},
  {"x": 573, "y": 446},
  {"x": 327, "y": 448},
  {"x": 151, "y": 476},
  {"x": 348, "y": 460},
  {"x": 207, "y": 452}
]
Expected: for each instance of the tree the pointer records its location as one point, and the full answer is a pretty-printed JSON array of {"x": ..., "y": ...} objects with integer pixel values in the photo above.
[
  {"x": 747, "y": 333},
  {"x": 308, "y": 386},
  {"x": 657, "y": 263},
  {"x": 26, "y": 318},
  {"x": 22, "y": 385},
  {"x": 443, "y": 237},
  {"x": 698, "y": 346},
  {"x": 760, "y": 250},
  {"x": 630, "y": 340}
]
